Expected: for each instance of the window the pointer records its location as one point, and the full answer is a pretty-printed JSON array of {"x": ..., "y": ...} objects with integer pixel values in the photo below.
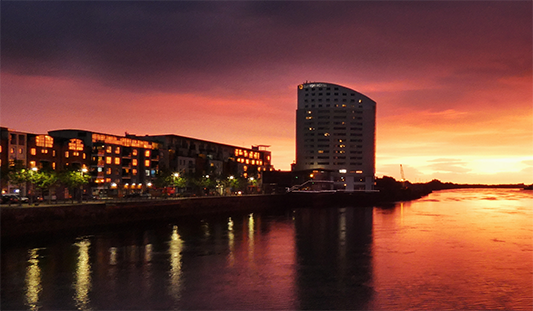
[
  {"x": 117, "y": 150},
  {"x": 147, "y": 153},
  {"x": 66, "y": 154},
  {"x": 108, "y": 171},
  {"x": 108, "y": 160},
  {"x": 147, "y": 163},
  {"x": 44, "y": 150},
  {"x": 53, "y": 153},
  {"x": 54, "y": 165},
  {"x": 32, "y": 163},
  {"x": 134, "y": 171},
  {"x": 44, "y": 141},
  {"x": 109, "y": 149},
  {"x": 117, "y": 161},
  {"x": 12, "y": 150},
  {"x": 134, "y": 152},
  {"x": 33, "y": 151},
  {"x": 84, "y": 156},
  {"x": 134, "y": 162}
]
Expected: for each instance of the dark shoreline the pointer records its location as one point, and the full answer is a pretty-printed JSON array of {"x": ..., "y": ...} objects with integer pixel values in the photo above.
[{"x": 29, "y": 221}]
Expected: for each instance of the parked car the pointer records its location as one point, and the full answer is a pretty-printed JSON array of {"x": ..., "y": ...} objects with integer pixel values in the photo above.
[{"x": 13, "y": 198}]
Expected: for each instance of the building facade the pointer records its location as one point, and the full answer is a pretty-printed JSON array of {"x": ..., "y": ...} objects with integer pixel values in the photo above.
[
  {"x": 120, "y": 165},
  {"x": 336, "y": 131},
  {"x": 191, "y": 156},
  {"x": 117, "y": 164}
]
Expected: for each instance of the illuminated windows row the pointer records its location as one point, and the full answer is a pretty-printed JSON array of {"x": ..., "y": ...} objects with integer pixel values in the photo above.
[
  {"x": 116, "y": 161},
  {"x": 74, "y": 154},
  {"x": 134, "y": 152},
  {"x": 247, "y": 154},
  {"x": 248, "y": 161},
  {"x": 34, "y": 164}
]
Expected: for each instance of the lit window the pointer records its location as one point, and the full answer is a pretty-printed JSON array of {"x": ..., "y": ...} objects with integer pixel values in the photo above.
[
  {"x": 44, "y": 141},
  {"x": 117, "y": 161},
  {"x": 117, "y": 150},
  {"x": 44, "y": 150},
  {"x": 32, "y": 163},
  {"x": 33, "y": 151},
  {"x": 108, "y": 160},
  {"x": 134, "y": 162},
  {"x": 12, "y": 150},
  {"x": 108, "y": 171},
  {"x": 147, "y": 153},
  {"x": 75, "y": 144},
  {"x": 84, "y": 156},
  {"x": 54, "y": 165},
  {"x": 109, "y": 149},
  {"x": 147, "y": 163},
  {"x": 21, "y": 151},
  {"x": 0, "y": 149},
  {"x": 53, "y": 153},
  {"x": 245, "y": 168},
  {"x": 134, "y": 171},
  {"x": 134, "y": 152},
  {"x": 326, "y": 134},
  {"x": 66, "y": 154},
  {"x": 75, "y": 154}
]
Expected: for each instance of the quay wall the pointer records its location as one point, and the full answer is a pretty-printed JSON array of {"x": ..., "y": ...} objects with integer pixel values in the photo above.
[{"x": 19, "y": 221}]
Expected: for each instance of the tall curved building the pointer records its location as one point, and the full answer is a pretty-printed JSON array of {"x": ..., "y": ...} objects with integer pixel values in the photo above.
[{"x": 336, "y": 132}]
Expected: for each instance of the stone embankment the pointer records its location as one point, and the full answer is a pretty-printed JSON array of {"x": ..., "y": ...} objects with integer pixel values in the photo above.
[{"x": 19, "y": 221}]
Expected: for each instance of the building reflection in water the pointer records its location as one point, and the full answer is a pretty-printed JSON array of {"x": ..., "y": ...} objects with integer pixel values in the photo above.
[
  {"x": 231, "y": 243},
  {"x": 251, "y": 237},
  {"x": 334, "y": 257},
  {"x": 33, "y": 280},
  {"x": 175, "y": 248},
  {"x": 82, "y": 282}
]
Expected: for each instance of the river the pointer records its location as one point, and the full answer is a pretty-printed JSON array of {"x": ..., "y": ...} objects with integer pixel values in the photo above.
[{"x": 454, "y": 250}]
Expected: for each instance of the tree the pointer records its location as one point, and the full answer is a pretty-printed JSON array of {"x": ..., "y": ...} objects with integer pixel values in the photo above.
[
  {"x": 74, "y": 180},
  {"x": 18, "y": 174},
  {"x": 44, "y": 180}
]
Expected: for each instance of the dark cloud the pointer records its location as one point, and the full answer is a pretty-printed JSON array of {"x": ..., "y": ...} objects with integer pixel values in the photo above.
[{"x": 175, "y": 45}]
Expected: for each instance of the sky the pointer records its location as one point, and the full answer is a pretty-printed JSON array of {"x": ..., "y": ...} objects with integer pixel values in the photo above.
[{"x": 452, "y": 79}]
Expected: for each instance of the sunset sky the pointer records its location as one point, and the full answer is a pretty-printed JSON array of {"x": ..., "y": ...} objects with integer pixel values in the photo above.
[{"x": 452, "y": 80}]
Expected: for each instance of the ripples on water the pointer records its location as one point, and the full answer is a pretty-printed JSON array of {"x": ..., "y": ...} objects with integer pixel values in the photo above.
[{"x": 456, "y": 249}]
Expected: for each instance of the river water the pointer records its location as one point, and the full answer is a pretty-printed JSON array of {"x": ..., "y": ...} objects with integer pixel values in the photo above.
[{"x": 454, "y": 250}]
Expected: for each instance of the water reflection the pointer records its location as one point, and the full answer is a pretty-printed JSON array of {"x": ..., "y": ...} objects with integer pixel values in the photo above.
[
  {"x": 82, "y": 283},
  {"x": 33, "y": 280},
  {"x": 334, "y": 258},
  {"x": 175, "y": 248},
  {"x": 231, "y": 243},
  {"x": 452, "y": 250}
]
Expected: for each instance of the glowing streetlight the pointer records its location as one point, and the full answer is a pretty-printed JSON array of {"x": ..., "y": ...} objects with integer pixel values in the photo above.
[
  {"x": 34, "y": 169},
  {"x": 176, "y": 175}
]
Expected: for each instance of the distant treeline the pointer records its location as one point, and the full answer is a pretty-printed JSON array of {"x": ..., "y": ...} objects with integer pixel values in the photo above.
[{"x": 390, "y": 183}]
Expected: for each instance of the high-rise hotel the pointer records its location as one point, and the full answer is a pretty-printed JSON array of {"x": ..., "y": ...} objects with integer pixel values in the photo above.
[{"x": 336, "y": 132}]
